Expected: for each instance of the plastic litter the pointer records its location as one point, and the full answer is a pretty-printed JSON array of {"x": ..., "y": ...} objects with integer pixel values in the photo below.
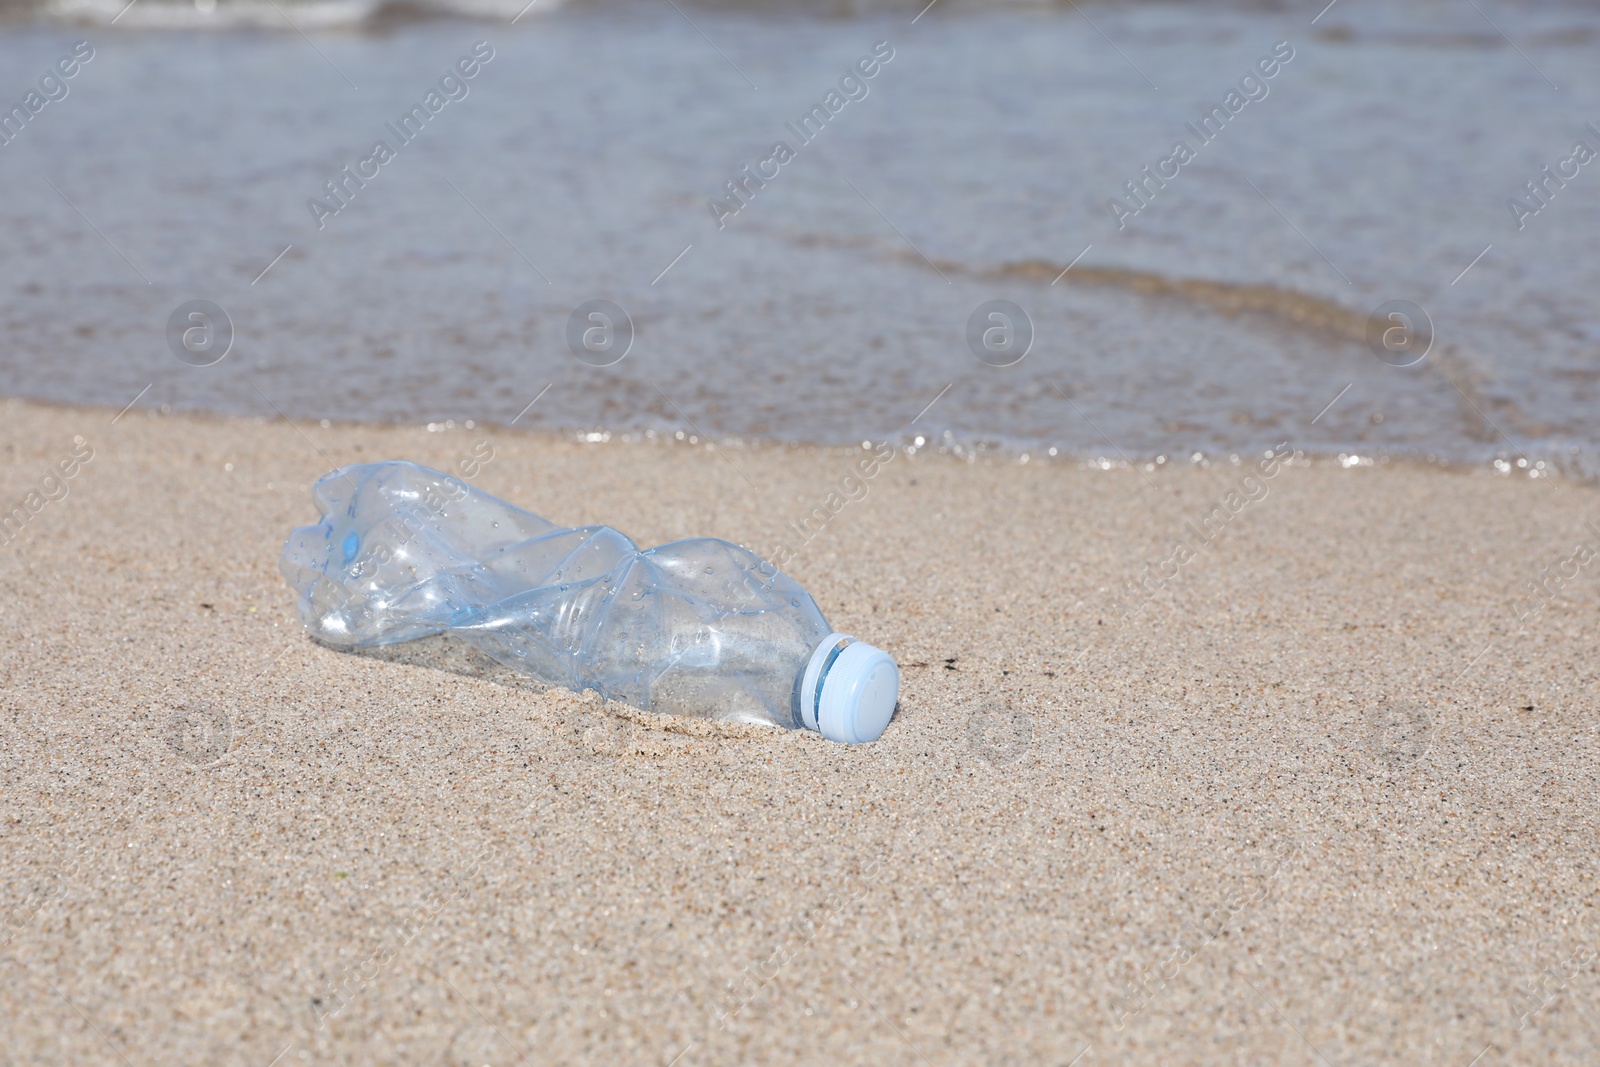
[{"x": 698, "y": 627}]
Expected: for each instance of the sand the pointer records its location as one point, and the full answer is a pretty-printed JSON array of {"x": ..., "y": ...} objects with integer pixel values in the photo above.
[{"x": 1323, "y": 799}]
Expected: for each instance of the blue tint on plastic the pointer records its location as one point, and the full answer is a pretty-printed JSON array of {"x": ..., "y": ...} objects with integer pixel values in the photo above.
[{"x": 699, "y": 627}]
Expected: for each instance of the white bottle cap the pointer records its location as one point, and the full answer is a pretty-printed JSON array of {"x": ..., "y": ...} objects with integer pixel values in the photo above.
[{"x": 849, "y": 689}]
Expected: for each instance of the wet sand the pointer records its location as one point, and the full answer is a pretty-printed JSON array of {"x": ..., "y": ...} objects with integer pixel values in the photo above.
[{"x": 1323, "y": 798}]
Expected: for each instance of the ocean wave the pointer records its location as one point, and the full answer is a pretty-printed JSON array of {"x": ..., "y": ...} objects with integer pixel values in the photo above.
[
  {"x": 290, "y": 15},
  {"x": 325, "y": 15},
  {"x": 1463, "y": 368},
  {"x": 1270, "y": 306},
  {"x": 286, "y": 15},
  {"x": 1466, "y": 370}
]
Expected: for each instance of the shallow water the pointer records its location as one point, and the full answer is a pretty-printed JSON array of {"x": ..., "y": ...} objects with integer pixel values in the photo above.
[{"x": 834, "y": 305}]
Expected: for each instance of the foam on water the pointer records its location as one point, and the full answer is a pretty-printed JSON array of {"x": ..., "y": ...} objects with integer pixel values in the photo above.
[
  {"x": 1228, "y": 313},
  {"x": 286, "y": 16}
]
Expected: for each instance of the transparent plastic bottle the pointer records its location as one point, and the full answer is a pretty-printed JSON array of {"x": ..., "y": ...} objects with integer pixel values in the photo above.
[{"x": 701, "y": 627}]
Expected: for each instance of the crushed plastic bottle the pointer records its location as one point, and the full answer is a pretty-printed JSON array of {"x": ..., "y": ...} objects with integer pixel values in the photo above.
[{"x": 700, "y": 627}]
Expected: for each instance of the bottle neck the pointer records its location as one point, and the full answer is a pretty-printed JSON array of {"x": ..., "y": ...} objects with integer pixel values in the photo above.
[{"x": 808, "y": 684}]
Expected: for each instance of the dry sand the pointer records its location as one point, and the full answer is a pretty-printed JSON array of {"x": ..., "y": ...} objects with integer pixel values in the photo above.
[{"x": 1324, "y": 801}]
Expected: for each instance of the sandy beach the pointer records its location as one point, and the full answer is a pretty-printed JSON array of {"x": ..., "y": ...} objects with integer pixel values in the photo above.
[{"x": 1326, "y": 796}]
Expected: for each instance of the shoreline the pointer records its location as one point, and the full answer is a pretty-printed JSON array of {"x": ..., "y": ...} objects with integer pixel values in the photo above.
[{"x": 985, "y": 450}]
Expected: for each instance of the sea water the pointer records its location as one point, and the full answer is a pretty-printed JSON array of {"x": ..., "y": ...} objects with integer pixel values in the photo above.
[{"x": 1159, "y": 302}]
